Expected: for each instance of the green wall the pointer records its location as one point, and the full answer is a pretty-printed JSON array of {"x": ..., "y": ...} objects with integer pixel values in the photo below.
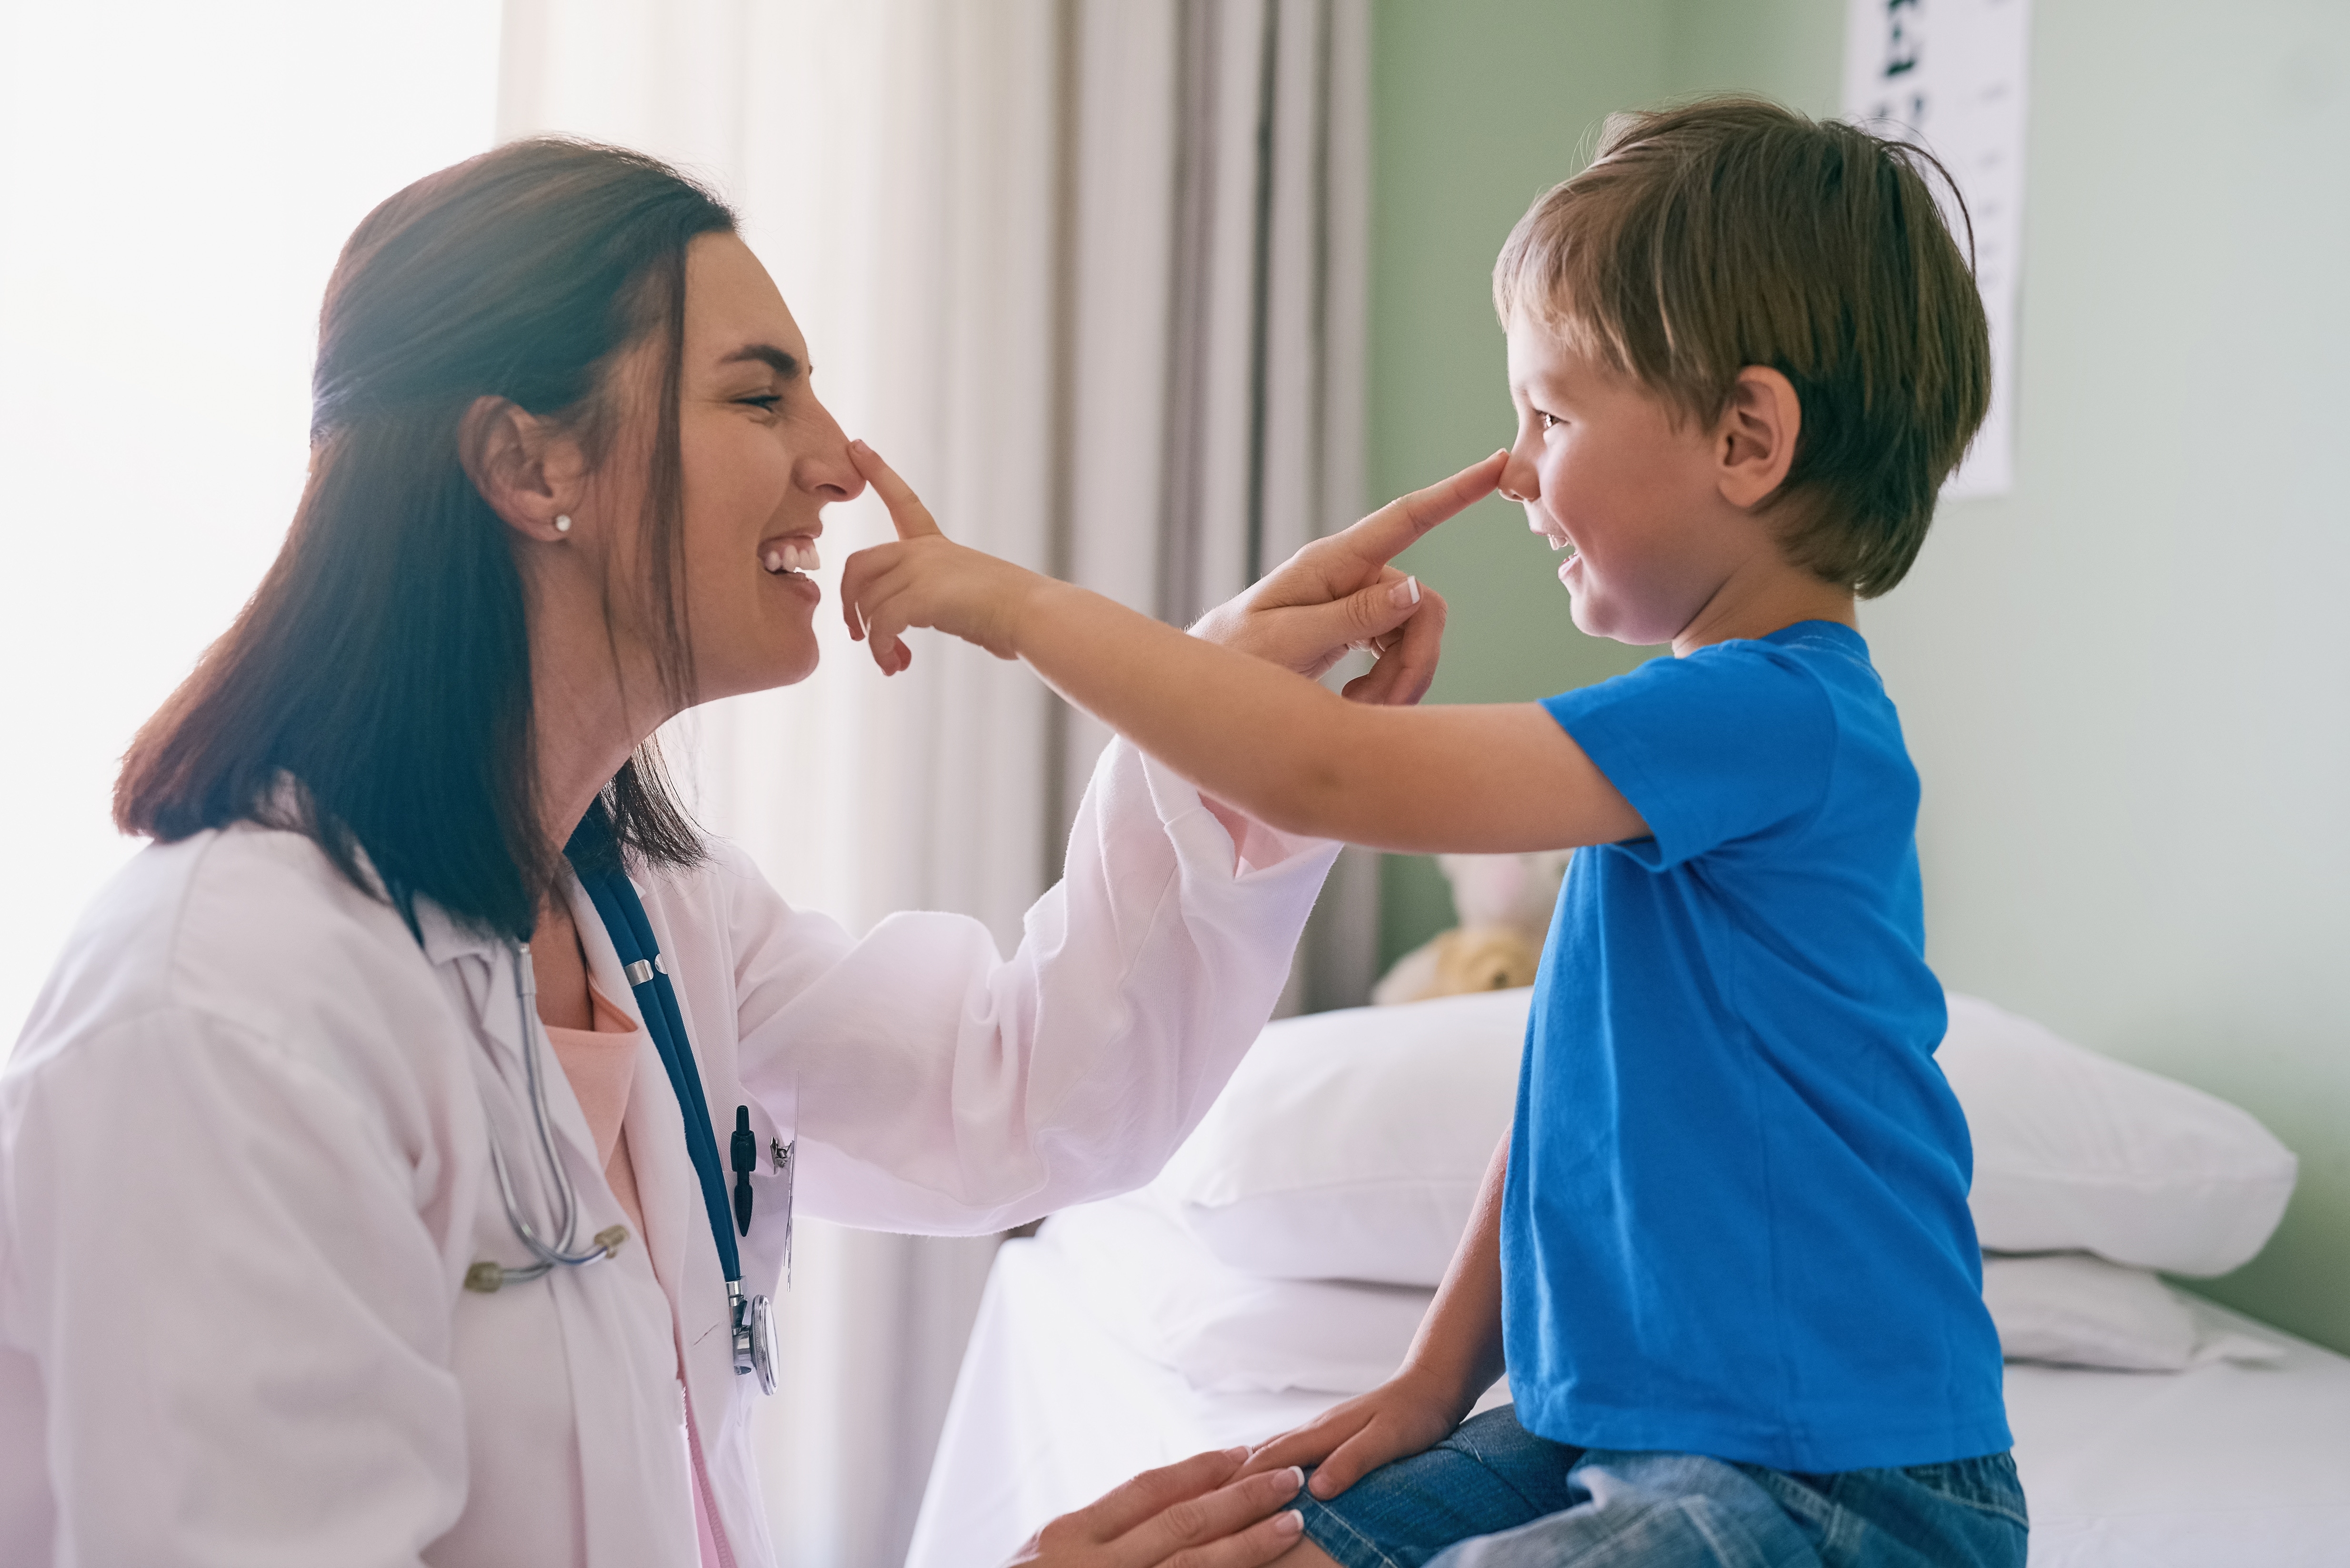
[
  {"x": 1478, "y": 107},
  {"x": 2125, "y": 682}
]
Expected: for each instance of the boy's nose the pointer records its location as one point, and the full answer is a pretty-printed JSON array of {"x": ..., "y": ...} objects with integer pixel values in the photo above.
[{"x": 1518, "y": 480}]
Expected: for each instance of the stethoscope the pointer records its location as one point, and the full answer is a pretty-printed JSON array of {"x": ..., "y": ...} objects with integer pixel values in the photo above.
[{"x": 623, "y": 914}]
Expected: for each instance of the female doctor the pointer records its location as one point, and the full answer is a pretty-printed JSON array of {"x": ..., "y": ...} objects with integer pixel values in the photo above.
[{"x": 361, "y": 1193}]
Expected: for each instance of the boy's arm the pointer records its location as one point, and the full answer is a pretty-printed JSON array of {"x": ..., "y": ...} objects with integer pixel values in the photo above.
[
  {"x": 1453, "y": 1359},
  {"x": 1496, "y": 777}
]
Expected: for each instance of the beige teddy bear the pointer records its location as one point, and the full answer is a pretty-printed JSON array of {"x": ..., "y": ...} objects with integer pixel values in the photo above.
[{"x": 1505, "y": 904}]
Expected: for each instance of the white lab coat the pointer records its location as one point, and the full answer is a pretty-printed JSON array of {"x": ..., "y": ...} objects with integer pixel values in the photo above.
[{"x": 245, "y": 1165}]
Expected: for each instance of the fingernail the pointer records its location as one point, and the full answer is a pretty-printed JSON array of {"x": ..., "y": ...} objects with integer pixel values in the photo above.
[
  {"x": 1238, "y": 1454},
  {"x": 1290, "y": 1522},
  {"x": 1295, "y": 1476},
  {"x": 1413, "y": 583},
  {"x": 1406, "y": 592}
]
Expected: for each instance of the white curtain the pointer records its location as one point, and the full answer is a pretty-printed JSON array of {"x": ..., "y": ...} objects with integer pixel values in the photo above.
[
  {"x": 1090, "y": 274},
  {"x": 1216, "y": 215}
]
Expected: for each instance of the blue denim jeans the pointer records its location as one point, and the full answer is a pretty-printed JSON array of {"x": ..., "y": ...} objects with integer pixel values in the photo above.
[{"x": 1493, "y": 1495}]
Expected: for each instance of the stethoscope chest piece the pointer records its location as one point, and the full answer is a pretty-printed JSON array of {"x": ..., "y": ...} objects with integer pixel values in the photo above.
[{"x": 754, "y": 1339}]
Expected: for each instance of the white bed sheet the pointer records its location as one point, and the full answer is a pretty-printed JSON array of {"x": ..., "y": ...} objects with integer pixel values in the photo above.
[{"x": 2219, "y": 1467}]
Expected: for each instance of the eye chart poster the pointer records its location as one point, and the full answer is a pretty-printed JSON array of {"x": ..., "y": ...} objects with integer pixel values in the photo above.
[{"x": 1949, "y": 76}]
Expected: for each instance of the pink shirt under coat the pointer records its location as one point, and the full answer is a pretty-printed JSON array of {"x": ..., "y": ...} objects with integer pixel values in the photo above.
[{"x": 601, "y": 1063}]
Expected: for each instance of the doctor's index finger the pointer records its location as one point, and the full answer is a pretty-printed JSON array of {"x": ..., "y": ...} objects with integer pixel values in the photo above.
[
  {"x": 1213, "y": 1529},
  {"x": 1145, "y": 1495},
  {"x": 1385, "y": 534},
  {"x": 1406, "y": 666},
  {"x": 907, "y": 512}
]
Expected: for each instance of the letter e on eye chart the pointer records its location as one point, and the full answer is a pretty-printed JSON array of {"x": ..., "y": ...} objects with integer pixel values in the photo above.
[{"x": 1949, "y": 76}]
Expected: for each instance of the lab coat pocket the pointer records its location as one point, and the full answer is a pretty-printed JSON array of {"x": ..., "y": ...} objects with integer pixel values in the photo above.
[{"x": 766, "y": 1246}]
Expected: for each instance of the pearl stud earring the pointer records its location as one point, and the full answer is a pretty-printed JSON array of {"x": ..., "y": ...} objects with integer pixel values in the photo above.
[{"x": 563, "y": 523}]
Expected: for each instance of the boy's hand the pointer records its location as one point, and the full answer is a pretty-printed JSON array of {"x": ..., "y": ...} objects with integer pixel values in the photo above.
[
  {"x": 1335, "y": 593},
  {"x": 1340, "y": 593},
  {"x": 927, "y": 579},
  {"x": 1409, "y": 1413}
]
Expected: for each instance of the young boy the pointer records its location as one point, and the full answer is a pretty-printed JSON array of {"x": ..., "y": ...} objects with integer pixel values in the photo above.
[{"x": 1725, "y": 1253}]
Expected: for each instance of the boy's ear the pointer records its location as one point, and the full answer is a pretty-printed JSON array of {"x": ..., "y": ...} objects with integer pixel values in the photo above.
[
  {"x": 1754, "y": 441},
  {"x": 529, "y": 471}
]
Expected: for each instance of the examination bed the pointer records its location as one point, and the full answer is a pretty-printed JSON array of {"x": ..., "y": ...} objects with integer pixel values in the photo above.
[
  {"x": 1284, "y": 1257},
  {"x": 2219, "y": 1466}
]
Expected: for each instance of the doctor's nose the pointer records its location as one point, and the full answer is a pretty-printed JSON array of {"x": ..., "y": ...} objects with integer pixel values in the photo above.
[{"x": 827, "y": 470}]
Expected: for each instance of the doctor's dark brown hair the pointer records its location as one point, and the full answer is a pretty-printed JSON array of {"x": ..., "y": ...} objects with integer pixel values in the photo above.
[
  {"x": 1732, "y": 231},
  {"x": 376, "y": 693}
]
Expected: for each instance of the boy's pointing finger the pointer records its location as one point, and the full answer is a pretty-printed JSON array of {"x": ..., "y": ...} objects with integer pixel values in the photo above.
[
  {"x": 912, "y": 518},
  {"x": 1386, "y": 532}
]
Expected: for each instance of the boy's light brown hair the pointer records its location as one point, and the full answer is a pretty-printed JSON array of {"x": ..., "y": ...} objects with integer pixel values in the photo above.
[{"x": 1732, "y": 231}]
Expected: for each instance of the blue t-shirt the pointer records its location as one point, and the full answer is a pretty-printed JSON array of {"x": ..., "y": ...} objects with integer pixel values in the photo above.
[{"x": 1735, "y": 1223}]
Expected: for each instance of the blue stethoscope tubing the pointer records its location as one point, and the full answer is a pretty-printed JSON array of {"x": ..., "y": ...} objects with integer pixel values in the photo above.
[
  {"x": 632, "y": 935},
  {"x": 623, "y": 914}
]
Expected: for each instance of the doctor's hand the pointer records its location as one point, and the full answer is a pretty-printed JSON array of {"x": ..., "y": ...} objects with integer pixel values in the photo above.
[
  {"x": 1340, "y": 593},
  {"x": 1194, "y": 1514}
]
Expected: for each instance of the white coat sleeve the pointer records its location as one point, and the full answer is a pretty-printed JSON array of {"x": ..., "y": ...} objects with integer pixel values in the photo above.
[
  {"x": 938, "y": 1086},
  {"x": 215, "y": 1267}
]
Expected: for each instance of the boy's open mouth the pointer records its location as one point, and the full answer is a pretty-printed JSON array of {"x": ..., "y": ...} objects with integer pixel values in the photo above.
[{"x": 1566, "y": 569}]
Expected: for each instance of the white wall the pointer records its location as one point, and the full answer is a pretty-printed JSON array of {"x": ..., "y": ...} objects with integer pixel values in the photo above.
[{"x": 176, "y": 182}]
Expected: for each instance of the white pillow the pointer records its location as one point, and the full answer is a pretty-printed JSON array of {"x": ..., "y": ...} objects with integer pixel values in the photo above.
[
  {"x": 1349, "y": 1146},
  {"x": 1155, "y": 1287},
  {"x": 2077, "y": 1152},
  {"x": 2074, "y": 1310}
]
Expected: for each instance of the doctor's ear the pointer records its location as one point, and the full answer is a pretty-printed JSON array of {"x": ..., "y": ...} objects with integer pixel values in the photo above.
[{"x": 525, "y": 467}]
